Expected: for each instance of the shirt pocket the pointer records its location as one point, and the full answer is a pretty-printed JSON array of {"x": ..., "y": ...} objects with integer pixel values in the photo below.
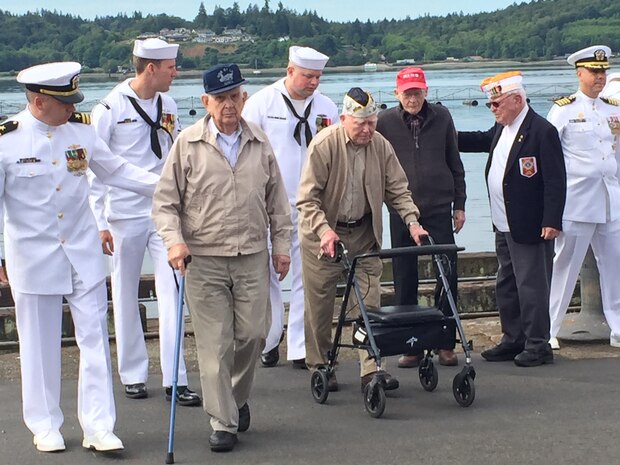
[{"x": 581, "y": 135}]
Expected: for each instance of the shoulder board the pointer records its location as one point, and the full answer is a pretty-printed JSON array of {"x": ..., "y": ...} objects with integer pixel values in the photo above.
[
  {"x": 565, "y": 100},
  {"x": 7, "y": 127},
  {"x": 611, "y": 101},
  {"x": 80, "y": 117},
  {"x": 105, "y": 104}
]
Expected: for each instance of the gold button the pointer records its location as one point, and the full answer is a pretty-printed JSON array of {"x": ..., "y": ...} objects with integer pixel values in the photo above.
[
  {"x": 58, "y": 188},
  {"x": 62, "y": 241},
  {"x": 54, "y": 162},
  {"x": 60, "y": 214}
]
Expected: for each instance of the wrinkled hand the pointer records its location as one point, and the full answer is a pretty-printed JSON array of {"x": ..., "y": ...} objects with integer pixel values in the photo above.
[
  {"x": 176, "y": 257},
  {"x": 281, "y": 264},
  {"x": 3, "y": 277},
  {"x": 458, "y": 219},
  {"x": 549, "y": 234},
  {"x": 107, "y": 242},
  {"x": 328, "y": 241},
  {"x": 417, "y": 232}
]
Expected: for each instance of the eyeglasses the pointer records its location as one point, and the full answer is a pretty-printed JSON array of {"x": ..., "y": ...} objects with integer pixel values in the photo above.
[{"x": 497, "y": 103}]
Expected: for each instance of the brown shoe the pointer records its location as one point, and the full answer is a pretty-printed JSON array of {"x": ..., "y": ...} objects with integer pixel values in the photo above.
[
  {"x": 391, "y": 383},
  {"x": 409, "y": 361},
  {"x": 448, "y": 358}
]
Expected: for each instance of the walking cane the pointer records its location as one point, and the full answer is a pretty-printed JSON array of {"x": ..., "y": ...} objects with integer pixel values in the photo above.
[{"x": 175, "y": 372}]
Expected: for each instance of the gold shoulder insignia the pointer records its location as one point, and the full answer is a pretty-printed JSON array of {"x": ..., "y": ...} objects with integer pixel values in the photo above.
[
  {"x": 611, "y": 101},
  {"x": 565, "y": 100},
  {"x": 7, "y": 127},
  {"x": 80, "y": 117}
]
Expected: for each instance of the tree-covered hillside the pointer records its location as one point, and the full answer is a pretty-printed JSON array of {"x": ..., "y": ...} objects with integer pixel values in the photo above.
[{"x": 541, "y": 29}]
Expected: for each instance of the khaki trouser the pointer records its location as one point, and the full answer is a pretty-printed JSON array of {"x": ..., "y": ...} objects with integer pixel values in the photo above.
[
  {"x": 227, "y": 298},
  {"x": 320, "y": 277}
]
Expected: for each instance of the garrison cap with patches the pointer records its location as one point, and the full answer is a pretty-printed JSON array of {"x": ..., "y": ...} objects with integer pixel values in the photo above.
[
  {"x": 359, "y": 103},
  {"x": 59, "y": 80},
  {"x": 222, "y": 78},
  {"x": 501, "y": 84},
  {"x": 594, "y": 57},
  {"x": 155, "y": 49},
  {"x": 306, "y": 57}
]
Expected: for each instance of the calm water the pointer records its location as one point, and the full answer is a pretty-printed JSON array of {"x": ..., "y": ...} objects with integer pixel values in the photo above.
[{"x": 451, "y": 87}]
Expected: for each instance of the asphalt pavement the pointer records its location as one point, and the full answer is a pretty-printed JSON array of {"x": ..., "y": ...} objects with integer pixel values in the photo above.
[{"x": 565, "y": 413}]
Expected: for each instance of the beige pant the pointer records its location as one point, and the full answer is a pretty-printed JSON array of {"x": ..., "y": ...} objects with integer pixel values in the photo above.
[
  {"x": 320, "y": 278},
  {"x": 227, "y": 299}
]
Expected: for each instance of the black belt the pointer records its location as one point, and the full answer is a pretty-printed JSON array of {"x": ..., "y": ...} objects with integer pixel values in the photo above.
[{"x": 353, "y": 224}]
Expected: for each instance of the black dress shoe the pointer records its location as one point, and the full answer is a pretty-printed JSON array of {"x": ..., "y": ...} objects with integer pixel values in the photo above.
[
  {"x": 502, "y": 352},
  {"x": 529, "y": 358},
  {"x": 300, "y": 363},
  {"x": 136, "y": 391},
  {"x": 222, "y": 441},
  {"x": 271, "y": 358},
  {"x": 185, "y": 396},
  {"x": 332, "y": 383},
  {"x": 244, "y": 418}
]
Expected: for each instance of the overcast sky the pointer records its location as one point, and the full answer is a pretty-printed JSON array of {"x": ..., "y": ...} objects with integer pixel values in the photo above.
[{"x": 336, "y": 10}]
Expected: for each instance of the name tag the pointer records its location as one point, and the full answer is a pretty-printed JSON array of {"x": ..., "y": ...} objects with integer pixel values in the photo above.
[{"x": 29, "y": 160}]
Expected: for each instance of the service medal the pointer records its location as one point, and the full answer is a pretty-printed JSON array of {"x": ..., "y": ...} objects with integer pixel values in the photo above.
[
  {"x": 322, "y": 121},
  {"x": 614, "y": 124},
  {"x": 167, "y": 122},
  {"x": 77, "y": 163}
]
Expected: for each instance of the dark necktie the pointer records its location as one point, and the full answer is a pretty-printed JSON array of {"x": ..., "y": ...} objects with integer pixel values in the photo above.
[
  {"x": 155, "y": 125},
  {"x": 302, "y": 120}
]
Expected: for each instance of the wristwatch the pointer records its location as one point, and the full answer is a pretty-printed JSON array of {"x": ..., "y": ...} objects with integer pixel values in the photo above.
[{"x": 413, "y": 223}]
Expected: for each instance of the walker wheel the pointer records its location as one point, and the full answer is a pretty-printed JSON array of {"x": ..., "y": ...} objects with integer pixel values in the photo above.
[
  {"x": 374, "y": 399},
  {"x": 464, "y": 390},
  {"x": 319, "y": 386},
  {"x": 429, "y": 377}
]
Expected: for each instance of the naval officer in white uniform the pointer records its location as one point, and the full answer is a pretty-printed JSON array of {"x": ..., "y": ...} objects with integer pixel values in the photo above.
[
  {"x": 589, "y": 128},
  {"x": 53, "y": 251},
  {"x": 291, "y": 111},
  {"x": 139, "y": 122}
]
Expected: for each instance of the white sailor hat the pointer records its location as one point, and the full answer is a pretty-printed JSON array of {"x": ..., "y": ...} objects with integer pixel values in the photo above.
[
  {"x": 501, "y": 84},
  {"x": 59, "y": 80},
  {"x": 612, "y": 88},
  {"x": 306, "y": 57},
  {"x": 359, "y": 103},
  {"x": 155, "y": 49},
  {"x": 594, "y": 57}
]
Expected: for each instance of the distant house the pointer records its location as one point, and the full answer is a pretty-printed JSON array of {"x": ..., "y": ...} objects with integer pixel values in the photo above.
[{"x": 406, "y": 61}]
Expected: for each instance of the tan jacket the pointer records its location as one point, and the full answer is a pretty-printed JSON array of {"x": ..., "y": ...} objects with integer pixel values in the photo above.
[
  {"x": 323, "y": 181},
  {"x": 202, "y": 202}
]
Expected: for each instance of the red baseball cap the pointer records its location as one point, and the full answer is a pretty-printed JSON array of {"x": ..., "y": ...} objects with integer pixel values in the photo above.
[{"x": 410, "y": 78}]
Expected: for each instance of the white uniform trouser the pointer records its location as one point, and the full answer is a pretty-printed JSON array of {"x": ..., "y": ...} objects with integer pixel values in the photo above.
[
  {"x": 131, "y": 239},
  {"x": 295, "y": 331},
  {"x": 570, "y": 250},
  {"x": 39, "y": 324}
]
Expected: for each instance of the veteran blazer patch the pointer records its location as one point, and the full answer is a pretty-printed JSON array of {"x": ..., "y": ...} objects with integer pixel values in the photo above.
[{"x": 528, "y": 167}]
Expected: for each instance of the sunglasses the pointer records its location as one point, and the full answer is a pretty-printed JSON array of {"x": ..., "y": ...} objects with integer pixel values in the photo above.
[{"x": 493, "y": 104}]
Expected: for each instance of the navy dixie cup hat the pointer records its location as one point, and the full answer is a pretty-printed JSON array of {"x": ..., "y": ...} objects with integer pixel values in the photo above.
[{"x": 222, "y": 78}]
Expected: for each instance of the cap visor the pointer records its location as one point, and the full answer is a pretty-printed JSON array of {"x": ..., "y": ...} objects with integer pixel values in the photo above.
[
  {"x": 225, "y": 88},
  {"x": 74, "y": 98},
  {"x": 411, "y": 85}
]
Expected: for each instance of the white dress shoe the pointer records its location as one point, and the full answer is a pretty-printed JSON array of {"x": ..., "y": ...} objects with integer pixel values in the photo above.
[
  {"x": 554, "y": 343},
  {"x": 102, "y": 441},
  {"x": 614, "y": 340},
  {"x": 49, "y": 441}
]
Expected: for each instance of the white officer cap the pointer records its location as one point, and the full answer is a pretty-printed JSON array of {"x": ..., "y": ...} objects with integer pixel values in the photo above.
[
  {"x": 501, "y": 84},
  {"x": 155, "y": 49},
  {"x": 359, "y": 103},
  {"x": 594, "y": 57},
  {"x": 306, "y": 57},
  {"x": 59, "y": 80}
]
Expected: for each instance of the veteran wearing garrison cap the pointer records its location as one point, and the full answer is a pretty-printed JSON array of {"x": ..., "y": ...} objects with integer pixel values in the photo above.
[
  {"x": 589, "y": 128},
  {"x": 220, "y": 199},
  {"x": 138, "y": 120},
  {"x": 291, "y": 111},
  {"x": 52, "y": 251},
  {"x": 526, "y": 181},
  {"x": 350, "y": 172}
]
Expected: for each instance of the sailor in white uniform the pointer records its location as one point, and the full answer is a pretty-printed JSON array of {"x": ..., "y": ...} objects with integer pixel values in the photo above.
[
  {"x": 589, "y": 128},
  {"x": 52, "y": 251},
  {"x": 139, "y": 122},
  {"x": 291, "y": 111}
]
